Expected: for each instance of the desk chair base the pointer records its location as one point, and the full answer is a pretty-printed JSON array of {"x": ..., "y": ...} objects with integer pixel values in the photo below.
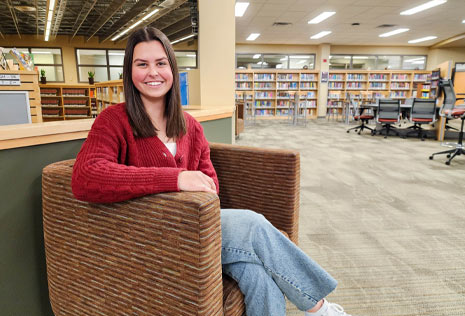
[
  {"x": 361, "y": 127},
  {"x": 388, "y": 128},
  {"x": 417, "y": 129},
  {"x": 459, "y": 148}
]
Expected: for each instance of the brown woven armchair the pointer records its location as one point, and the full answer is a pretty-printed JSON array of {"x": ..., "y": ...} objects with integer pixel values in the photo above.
[{"x": 160, "y": 254}]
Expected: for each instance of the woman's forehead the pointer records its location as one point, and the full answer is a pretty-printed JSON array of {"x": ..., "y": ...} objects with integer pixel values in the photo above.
[{"x": 149, "y": 50}]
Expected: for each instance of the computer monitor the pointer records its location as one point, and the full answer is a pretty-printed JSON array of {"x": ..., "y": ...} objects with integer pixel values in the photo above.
[{"x": 14, "y": 107}]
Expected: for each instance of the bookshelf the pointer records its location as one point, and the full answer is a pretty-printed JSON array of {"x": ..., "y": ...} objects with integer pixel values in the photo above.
[
  {"x": 66, "y": 101},
  {"x": 108, "y": 93},
  {"x": 271, "y": 92},
  {"x": 368, "y": 85}
]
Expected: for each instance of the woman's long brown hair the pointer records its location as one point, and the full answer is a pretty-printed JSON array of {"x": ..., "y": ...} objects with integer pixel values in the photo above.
[{"x": 139, "y": 120}]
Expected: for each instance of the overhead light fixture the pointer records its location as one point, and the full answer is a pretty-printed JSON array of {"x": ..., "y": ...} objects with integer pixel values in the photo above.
[
  {"x": 422, "y": 7},
  {"x": 463, "y": 21},
  {"x": 240, "y": 8},
  {"x": 182, "y": 39},
  {"x": 418, "y": 40},
  {"x": 253, "y": 36},
  {"x": 48, "y": 24},
  {"x": 323, "y": 16},
  {"x": 398, "y": 31},
  {"x": 256, "y": 56},
  {"x": 320, "y": 35},
  {"x": 146, "y": 17}
]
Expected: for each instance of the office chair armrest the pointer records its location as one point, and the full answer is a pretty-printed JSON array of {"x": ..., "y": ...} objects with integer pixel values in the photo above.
[
  {"x": 158, "y": 254},
  {"x": 266, "y": 181}
]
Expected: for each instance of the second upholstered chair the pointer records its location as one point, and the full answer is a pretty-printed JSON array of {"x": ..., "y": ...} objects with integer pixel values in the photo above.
[
  {"x": 387, "y": 115},
  {"x": 160, "y": 254}
]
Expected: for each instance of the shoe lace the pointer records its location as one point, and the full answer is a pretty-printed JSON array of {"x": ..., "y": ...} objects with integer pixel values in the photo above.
[{"x": 338, "y": 308}]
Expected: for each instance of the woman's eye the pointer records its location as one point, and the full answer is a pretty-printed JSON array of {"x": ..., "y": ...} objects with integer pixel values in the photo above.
[
  {"x": 162, "y": 63},
  {"x": 141, "y": 64}
]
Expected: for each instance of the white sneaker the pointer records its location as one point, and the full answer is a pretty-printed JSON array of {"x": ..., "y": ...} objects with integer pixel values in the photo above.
[{"x": 329, "y": 309}]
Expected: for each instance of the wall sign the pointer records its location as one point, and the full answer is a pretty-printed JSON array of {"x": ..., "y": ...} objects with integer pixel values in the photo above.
[{"x": 10, "y": 80}]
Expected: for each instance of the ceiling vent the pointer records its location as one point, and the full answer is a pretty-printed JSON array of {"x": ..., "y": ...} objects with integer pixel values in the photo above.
[
  {"x": 282, "y": 23},
  {"x": 382, "y": 26}
]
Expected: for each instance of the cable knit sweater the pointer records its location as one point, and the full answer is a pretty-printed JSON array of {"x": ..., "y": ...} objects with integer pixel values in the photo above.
[{"x": 113, "y": 165}]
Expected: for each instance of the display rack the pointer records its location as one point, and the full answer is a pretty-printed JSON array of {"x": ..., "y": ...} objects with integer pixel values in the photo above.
[
  {"x": 269, "y": 93},
  {"x": 66, "y": 101},
  {"x": 27, "y": 81},
  {"x": 108, "y": 93}
]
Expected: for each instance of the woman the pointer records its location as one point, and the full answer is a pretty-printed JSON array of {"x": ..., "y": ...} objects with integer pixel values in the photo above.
[{"x": 149, "y": 145}]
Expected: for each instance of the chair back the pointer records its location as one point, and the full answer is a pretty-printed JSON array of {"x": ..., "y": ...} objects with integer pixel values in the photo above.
[
  {"x": 449, "y": 97},
  {"x": 388, "y": 109},
  {"x": 423, "y": 109}
]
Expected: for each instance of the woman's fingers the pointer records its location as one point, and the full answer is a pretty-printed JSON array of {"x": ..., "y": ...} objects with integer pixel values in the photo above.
[{"x": 195, "y": 181}]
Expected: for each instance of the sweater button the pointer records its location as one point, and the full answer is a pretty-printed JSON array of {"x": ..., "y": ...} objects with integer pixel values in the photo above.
[
  {"x": 180, "y": 159},
  {"x": 164, "y": 154}
]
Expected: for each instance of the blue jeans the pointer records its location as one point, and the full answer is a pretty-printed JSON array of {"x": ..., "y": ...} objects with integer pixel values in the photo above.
[{"x": 267, "y": 265}]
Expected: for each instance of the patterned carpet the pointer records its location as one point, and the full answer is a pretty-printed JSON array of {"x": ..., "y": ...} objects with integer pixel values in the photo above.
[{"x": 383, "y": 219}]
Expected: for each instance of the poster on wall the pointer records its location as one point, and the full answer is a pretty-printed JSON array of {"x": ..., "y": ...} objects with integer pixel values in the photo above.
[{"x": 324, "y": 76}]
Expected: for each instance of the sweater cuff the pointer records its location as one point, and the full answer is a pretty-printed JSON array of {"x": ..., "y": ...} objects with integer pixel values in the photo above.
[{"x": 168, "y": 182}]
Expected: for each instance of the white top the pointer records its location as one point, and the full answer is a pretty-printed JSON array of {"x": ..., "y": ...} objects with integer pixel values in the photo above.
[{"x": 171, "y": 147}]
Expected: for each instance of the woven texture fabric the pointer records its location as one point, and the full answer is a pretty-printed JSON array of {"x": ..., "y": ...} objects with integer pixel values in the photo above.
[{"x": 159, "y": 254}]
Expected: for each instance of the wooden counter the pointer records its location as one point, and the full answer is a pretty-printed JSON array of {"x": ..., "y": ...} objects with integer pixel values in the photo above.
[{"x": 13, "y": 136}]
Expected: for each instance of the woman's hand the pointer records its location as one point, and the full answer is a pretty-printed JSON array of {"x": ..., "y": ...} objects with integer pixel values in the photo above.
[{"x": 195, "y": 181}]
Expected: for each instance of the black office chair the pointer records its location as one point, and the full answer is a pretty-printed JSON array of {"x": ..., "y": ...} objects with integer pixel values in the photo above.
[
  {"x": 452, "y": 111},
  {"x": 387, "y": 115},
  {"x": 360, "y": 114},
  {"x": 423, "y": 112}
]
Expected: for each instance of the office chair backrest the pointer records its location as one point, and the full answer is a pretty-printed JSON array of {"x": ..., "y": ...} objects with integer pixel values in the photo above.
[
  {"x": 388, "y": 109},
  {"x": 424, "y": 108},
  {"x": 449, "y": 96}
]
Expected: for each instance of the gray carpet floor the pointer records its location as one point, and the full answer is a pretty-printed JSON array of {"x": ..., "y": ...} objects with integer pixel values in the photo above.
[{"x": 376, "y": 213}]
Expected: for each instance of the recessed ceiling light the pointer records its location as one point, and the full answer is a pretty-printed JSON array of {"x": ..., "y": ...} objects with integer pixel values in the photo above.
[
  {"x": 323, "y": 16},
  {"x": 241, "y": 7},
  {"x": 463, "y": 21},
  {"x": 320, "y": 35},
  {"x": 418, "y": 40},
  {"x": 422, "y": 7},
  {"x": 253, "y": 36},
  {"x": 393, "y": 32}
]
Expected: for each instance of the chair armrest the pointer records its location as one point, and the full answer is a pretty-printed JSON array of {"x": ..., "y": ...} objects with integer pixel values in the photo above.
[
  {"x": 266, "y": 181},
  {"x": 158, "y": 254}
]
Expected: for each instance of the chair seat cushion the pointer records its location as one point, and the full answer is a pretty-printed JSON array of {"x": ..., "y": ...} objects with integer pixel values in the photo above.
[
  {"x": 385, "y": 120},
  {"x": 419, "y": 120},
  {"x": 363, "y": 117},
  {"x": 458, "y": 112}
]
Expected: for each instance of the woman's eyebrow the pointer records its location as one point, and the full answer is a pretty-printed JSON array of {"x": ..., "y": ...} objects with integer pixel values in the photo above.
[{"x": 144, "y": 60}]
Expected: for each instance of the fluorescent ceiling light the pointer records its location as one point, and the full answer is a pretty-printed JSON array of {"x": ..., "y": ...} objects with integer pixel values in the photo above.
[
  {"x": 463, "y": 21},
  {"x": 182, "y": 39},
  {"x": 424, "y": 6},
  {"x": 323, "y": 16},
  {"x": 253, "y": 36},
  {"x": 418, "y": 40},
  {"x": 256, "y": 56},
  {"x": 136, "y": 24},
  {"x": 393, "y": 32},
  {"x": 241, "y": 7},
  {"x": 320, "y": 35}
]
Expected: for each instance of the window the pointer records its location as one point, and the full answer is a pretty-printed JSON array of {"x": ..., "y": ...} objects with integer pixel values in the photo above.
[
  {"x": 275, "y": 61},
  {"x": 302, "y": 62},
  {"x": 48, "y": 59},
  {"x": 186, "y": 59},
  {"x": 108, "y": 63},
  {"x": 414, "y": 62},
  {"x": 379, "y": 62}
]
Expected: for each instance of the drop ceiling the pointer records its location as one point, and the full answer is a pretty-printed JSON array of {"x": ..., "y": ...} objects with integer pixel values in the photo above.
[{"x": 443, "y": 21}]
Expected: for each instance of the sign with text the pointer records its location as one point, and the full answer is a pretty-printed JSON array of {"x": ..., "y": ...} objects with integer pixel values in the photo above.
[{"x": 10, "y": 80}]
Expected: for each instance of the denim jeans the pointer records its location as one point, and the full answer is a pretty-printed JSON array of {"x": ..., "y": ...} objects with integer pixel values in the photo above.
[{"x": 267, "y": 265}]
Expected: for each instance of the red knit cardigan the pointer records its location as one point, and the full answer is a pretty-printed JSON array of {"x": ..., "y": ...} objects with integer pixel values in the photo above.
[{"x": 113, "y": 165}]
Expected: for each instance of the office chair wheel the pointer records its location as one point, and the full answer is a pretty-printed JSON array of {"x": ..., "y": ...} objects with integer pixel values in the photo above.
[
  {"x": 430, "y": 157},
  {"x": 448, "y": 163},
  {"x": 348, "y": 131},
  {"x": 448, "y": 156}
]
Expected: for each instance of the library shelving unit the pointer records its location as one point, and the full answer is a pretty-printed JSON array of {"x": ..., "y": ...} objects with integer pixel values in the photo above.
[
  {"x": 373, "y": 84},
  {"x": 108, "y": 93},
  {"x": 269, "y": 93},
  {"x": 435, "y": 76},
  {"x": 66, "y": 101},
  {"x": 24, "y": 80}
]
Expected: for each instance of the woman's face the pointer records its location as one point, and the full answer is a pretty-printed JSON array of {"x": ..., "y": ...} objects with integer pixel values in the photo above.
[{"x": 151, "y": 71}]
